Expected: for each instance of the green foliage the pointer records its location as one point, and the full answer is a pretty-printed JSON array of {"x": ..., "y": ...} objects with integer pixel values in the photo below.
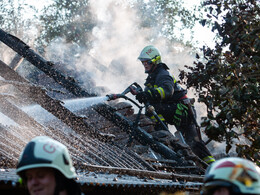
[
  {"x": 170, "y": 18},
  {"x": 74, "y": 21},
  {"x": 71, "y": 20},
  {"x": 227, "y": 77},
  {"x": 11, "y": 12}
]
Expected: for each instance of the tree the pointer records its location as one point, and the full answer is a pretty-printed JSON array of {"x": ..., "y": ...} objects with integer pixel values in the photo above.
[
  {"x": 74, "y": 20},
  {"x": 170, "y": 18},
  {"x": 71, "y": 20},
  {"x": 17, "y": 17},
  {"x": 227, "y": 77}
]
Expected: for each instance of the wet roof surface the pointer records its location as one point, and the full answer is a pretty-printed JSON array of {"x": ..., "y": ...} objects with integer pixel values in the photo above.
[
  {"x": 110, "y": 180},
  {"x": 87, "y": 135}
]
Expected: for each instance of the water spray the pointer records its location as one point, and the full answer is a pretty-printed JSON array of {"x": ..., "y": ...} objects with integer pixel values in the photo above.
[
  {"x": 80, "y": 103},
  {"x": 74, "y": 105}
]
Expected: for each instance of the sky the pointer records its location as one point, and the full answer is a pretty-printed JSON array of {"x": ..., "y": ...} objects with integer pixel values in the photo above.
[{"x": 203, "y": 35}]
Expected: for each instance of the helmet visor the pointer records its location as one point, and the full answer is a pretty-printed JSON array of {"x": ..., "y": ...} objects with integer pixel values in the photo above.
[{"x": 143, "y": 59}]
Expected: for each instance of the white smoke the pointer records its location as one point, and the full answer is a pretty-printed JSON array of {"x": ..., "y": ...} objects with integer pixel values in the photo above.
[
  {"x": 6, "y": 53},
  {"x": 112, "y": 61},
  {"x": 118, "y": 41}
]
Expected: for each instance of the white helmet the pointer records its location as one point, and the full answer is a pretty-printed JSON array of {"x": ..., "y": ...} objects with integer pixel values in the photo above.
[
  {"x": 239, "y": 175},
  {"x": 43, "y": 151},
  {"x": 150, "y": 53}
]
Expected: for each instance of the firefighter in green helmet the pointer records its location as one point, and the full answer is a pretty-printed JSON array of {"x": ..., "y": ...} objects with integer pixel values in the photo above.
[
  {"x": 46, "y": 168},
  {"x": 170, "y": 101}
]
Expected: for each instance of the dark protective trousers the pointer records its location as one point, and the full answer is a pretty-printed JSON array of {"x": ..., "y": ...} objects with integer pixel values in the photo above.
[{"x": 187, "y": 127}]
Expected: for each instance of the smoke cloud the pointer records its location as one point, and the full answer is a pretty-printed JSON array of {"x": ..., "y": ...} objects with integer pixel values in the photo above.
[
  {"x": 111, "y": 64},
  {"x": 117, "y": 41},
  {"x": 112, "y": 61}
]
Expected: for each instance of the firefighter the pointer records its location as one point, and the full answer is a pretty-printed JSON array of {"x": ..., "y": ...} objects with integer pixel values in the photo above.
[
  {"x": 168, "y": 98},
  {"x": 45, "y": 167},
  {"x": 232, "y": 175}
]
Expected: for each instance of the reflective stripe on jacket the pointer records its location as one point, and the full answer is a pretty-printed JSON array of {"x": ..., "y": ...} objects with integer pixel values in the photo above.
[{"x": 165, "y": 84}]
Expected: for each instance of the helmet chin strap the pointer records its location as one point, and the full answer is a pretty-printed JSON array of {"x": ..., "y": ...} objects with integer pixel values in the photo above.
[{"x": 153, "y": 62}]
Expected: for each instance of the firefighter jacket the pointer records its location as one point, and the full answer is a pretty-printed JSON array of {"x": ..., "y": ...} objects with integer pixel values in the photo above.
[{"x": 162, "y": 86}]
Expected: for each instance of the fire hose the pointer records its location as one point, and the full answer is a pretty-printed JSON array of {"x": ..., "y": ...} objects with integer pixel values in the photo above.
[{"x": 135, "y": 88}]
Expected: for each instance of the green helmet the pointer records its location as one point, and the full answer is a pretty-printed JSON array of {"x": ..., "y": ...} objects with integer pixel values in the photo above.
[
  {"x": 150, "y": 53},
  {"x": 43, "y": 151},
  {"x": 239, "y": 175}
]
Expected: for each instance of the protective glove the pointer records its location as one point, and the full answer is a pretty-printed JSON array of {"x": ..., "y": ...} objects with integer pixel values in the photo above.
[
  {"x": 143, "y": 97},
  {"x": 181, "y": 115}
]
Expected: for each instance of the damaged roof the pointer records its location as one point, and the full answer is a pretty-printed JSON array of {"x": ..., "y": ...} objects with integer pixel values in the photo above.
[{"x": 110, "y": 153}]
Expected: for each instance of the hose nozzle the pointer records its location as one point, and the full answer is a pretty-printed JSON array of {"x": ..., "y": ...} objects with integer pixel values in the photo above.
[
  {"x": 113, "y": 96},
  {"x": 150, "y": 109}
]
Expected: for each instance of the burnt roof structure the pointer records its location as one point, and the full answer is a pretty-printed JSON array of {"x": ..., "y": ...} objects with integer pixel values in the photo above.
[{"x": 110, "y": 152}]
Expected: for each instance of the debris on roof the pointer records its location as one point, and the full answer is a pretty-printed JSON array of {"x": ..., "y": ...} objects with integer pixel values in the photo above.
[{"x": 110, "y": 152}]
